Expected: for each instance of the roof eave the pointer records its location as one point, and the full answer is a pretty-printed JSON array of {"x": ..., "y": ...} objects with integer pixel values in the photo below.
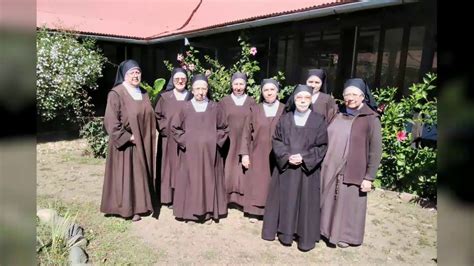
[{"x": 221, "y": 28}]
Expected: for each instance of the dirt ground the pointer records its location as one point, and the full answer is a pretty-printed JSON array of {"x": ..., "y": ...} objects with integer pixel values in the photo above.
[{"x": 396, "y": 232}]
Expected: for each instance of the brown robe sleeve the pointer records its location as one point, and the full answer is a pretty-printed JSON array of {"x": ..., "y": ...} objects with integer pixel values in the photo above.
[
  {"x": 280, "y": 149},
  {"x": 161, "y": 120},
  {"x": 375, "y": 149},
  {"x": 178, "y": 130},
  {"x": 331, "y": 109},
  {"x": 222, "y": 127},
  {"x": 246, "y": 136},
  {"x": 113, "y": 121},
  {"x": 315, "y": 154}
]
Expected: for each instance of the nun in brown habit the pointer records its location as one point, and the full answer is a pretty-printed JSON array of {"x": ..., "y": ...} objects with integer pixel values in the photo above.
[
  {"x": 130, "y": 165},
  {"x": 200, "y": 129},
  {"x": 256, "y": 148},
  {"x": 350, "y": 166},
  {"x": 237, "y": 108},
  {"x": 322, "y": 102},
  {"x": 169, "y": 104},
  {"x": 299, "y": 145}
]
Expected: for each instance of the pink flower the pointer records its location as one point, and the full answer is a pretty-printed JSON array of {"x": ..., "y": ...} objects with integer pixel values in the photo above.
[
  {"x": 401, "y": 135},
  {"x": 207, "y": 73},
  {"x": 191, "y": 67},
  {"x": 180, "y": 57},
  {"x": 184, "y": 67},
  {"x": 381, "y": 108},
  {"x": 188, "y": 53},
  {"x": 253, "y": 51}
]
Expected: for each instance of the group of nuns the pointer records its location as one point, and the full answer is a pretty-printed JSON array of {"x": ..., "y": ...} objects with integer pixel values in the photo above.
[{"x": 303, "y": 167}]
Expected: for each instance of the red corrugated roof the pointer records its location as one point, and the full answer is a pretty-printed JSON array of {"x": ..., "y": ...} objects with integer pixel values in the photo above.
[{"x": 148, "y": 19}]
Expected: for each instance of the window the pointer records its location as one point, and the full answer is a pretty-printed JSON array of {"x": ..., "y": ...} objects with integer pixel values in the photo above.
[
  {"x": 321, "y": 50},
  {"x": 285, "y": 54},
  {"x": 367, "y": 53},
  {"x": 391, "y": 57},
  {"x": 434, "y": 67},
  {"x": 415, "y": 50}
]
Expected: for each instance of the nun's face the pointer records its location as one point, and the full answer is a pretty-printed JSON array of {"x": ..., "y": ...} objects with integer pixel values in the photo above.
[
  {"x": 133, "y": 77},
  {"x": 315, "y": 82},
  {"x": 179, "y": 81},
  {"x": 353, "y": 97},
  {"x": 269, "y": 92},
  {"x": 200, "y": 90},
  {"x": 302, "y": 101},
  {"x": 238, "y": 87}
]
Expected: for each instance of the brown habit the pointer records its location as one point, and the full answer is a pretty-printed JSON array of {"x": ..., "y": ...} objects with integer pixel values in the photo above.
[
  {"x": 129, "y": 168},
  {"x": 199, "y": 191},
  {"x": 166, "y": 108},
  {"x": 257, "y": 143},
  {"x": 292, "y": 205},
  {"x": 234, "y": 172},
  {"x": 326, "y": 106},
  {"x": 343, "y": 205}
]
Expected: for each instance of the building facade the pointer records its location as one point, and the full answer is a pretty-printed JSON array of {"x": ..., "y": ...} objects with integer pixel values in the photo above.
[{"x": 390, "y": 45}]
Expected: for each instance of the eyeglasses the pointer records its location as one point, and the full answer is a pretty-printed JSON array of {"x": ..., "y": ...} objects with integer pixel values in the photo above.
[
  {"x": 178, "y": 79},
  {"x": 298, "y": 97},
  {"x": 353, "y": 95},
  {"x": 134, "y": 72}
]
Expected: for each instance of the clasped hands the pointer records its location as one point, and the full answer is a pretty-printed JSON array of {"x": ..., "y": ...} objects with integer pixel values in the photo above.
[{"x": 295, "y": 159}]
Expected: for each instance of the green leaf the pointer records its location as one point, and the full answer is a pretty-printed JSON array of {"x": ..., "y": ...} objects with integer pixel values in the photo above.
[{"x": 158, "y": 85}]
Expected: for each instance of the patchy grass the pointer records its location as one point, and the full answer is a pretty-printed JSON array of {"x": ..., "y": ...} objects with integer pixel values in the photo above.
[
  {"x": 210, "y": 255},
  {"x": 376, "y": 222},
  {"x": 424, "y": 242},
  {"x": 397, "y": 233},
  {"x": 48, "y": 252},
  {"x": 414, "y": 252},
  {"x": 400, "y": 258},
  {"x": 75, "y": 158},
  {"x": 109, "y": 238}
]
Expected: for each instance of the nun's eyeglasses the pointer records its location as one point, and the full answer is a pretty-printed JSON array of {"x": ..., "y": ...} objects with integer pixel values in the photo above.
[
  {"x": 134, "y": 73},
  {"x": 299, "y": 97},
  {"x": 178, "y": 79},
  {"x": 353, "y": 95}
]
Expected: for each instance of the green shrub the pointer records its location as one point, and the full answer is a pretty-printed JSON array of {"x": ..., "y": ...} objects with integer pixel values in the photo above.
[
  {"x": 96, "y": 136},
  {"x": 406, "y": 165},
  {"x": 155, "y": 90}
]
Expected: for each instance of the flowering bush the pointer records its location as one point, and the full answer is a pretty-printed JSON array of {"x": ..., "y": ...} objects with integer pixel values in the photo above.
[
  {"x": 219, "y": 76},
  {"x": 406, "y": 165},
  {"x": 66, "y": 69}
]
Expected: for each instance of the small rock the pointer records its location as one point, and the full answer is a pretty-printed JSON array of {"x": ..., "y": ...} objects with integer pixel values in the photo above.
[
  {"x": 427, "y": 225},
  {"x": 74, "y": 230},
  {"x": 77, "y": 240},
  {"x": 77, "y": 255},
  {"x": 47, "y": 215},
  {"x": 407, "y": 197}
]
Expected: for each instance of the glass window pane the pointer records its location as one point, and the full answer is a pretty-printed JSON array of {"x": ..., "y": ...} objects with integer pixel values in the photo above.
[
  {"x": 435, "y": 63},
  {"x": 367, "y": 52},
  {"x": 415, "y": 50},
  {"x": 321, "y": 51},
  {"x": 391, "y": 57},
  {"x": 285, "y": 53}
]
